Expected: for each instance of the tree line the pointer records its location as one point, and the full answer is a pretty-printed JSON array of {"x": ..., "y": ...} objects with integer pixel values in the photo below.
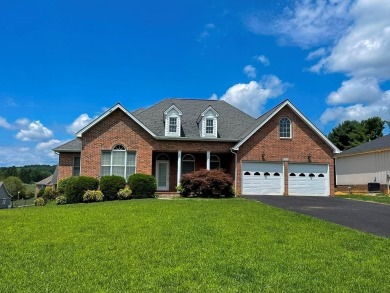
[
  {"x": 27, "y": 174},
  {"x": 352, "y": 133}
]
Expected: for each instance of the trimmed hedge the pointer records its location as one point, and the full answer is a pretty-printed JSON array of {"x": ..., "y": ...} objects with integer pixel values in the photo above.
[
  {"x": 110, "y": 186},
  {"x": 142, "y": 185},
  {"x": 61, "y": 185},
  {"x": 77, "y": 186},
  {"x": 207, "y": 183}
]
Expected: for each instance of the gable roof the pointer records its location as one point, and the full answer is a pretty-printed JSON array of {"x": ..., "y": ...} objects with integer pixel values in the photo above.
[
  {"x": 108, "y": 112},
  {"x": 232, "y": 122},
  {"x": 45, "y": 181},
  {"x": 376, "y": 145},
  {"x": 3, "y": 190},
  {"x": 263, "y": 119}
]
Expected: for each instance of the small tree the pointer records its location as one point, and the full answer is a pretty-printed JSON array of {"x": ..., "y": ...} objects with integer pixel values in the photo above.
[
  {"x": 142, "y": 185},
  {"x": 15, "y": 187},
  {"x": 110, "y": 186}
]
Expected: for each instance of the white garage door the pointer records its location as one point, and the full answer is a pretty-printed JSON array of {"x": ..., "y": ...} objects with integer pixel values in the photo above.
[
  {"x": 308, "y": 179},
  {"x": 262, "y": 178}
]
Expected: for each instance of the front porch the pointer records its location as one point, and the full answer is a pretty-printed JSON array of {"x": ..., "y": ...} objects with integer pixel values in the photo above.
[{"x": 168, "y": 167}]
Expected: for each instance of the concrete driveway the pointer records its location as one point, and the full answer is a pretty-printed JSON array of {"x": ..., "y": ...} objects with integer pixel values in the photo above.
[{"x": 364, "y": 216}]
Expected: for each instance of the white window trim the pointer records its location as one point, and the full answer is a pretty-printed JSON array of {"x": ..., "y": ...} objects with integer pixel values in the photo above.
[
  {"x": 119, "y": 148},
  {"x": 173, "y": 112},
  {"x": 280, "y": 135},
  {"x": 209, "y": 114}
]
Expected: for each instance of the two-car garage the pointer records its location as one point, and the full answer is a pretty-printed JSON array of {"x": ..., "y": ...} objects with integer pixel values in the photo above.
[{"x": 268, "y": 178}]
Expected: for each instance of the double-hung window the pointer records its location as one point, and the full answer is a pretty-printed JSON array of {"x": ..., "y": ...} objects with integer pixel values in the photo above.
[
  {"x": 209, "y": 126},
  {"x": 173, "y": 124}
]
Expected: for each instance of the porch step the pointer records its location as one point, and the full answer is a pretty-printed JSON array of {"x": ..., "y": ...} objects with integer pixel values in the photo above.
[{"x": 167, "y": 195}]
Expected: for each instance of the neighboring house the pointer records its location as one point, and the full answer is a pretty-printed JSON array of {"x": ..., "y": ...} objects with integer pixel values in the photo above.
[
  {"x": 48, "y": 181},
  {"x": 5, "y": 197},
  {"x": 366, "y": 163},
  {"x": 279, "y": 153}
]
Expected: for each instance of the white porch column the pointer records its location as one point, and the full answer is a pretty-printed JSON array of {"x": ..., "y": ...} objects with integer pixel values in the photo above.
[
  {"x": 178, "y": 167},
  {"x": 208, "y": 161}
]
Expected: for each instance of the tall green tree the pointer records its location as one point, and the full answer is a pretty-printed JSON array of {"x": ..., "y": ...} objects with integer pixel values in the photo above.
[{"x": 352, "y": 133}]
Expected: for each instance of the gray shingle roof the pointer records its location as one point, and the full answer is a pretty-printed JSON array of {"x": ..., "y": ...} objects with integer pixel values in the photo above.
[
  {"x": 71, "y": 146},
  {"x": 232, "y": 122},
  {"x": 381, "y": 143}
]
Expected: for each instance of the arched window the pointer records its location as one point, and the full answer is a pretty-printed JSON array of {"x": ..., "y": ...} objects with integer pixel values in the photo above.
[
  {"x": 215, "y": 162},
  {"x": 292, "y": 174},
  {"x": 302, "y": 175},
  {"x": 257, "y": 174},
  {"x": 276, "y": 174},
  {"x": 321, "y": 175},
  {"x": 162, "y": 157},
  {"x": 266, "y": 174},
  {"x": 118, "y": 162},
  {"x": 311, "y": 175},
  {"x": 188, "y": 164},
  {"x": 285, "y": 128},
  {"x": 247, "y": 173}
]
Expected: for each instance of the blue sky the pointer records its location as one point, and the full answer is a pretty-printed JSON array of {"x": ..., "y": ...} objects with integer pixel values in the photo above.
[{"x": 62, "y": 63}]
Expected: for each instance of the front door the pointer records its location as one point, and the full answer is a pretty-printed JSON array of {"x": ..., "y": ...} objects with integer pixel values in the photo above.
[{"x": 162, "y": 175}]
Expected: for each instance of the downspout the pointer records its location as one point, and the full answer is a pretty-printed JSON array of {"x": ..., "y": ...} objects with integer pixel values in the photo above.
[{"x": 235, "y": 170}]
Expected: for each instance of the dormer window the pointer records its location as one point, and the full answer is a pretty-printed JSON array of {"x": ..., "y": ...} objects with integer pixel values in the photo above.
[
  {"x": 209, "y": 126},
  {"x": 172, "y": 124},
  {"x": 172, "y": 121},
  {"x": 208, "y": 123}
]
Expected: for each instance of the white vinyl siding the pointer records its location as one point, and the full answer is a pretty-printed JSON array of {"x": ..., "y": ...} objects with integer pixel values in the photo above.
[
  {"x": 362, "y": 169},
  {"x": 172, "y": 121}
]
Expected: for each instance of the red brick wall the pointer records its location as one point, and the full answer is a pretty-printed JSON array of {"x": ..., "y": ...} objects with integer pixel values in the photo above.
[
  {"x": 304, "y": 141},
  {"x": 118, "y": 128},
  {"x": 65, "y": 165}
]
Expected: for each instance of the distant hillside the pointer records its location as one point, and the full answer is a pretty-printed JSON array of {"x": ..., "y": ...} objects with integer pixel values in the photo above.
[{"x": 28, "y": 173}]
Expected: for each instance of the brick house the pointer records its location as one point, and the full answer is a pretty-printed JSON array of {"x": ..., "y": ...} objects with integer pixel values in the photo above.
[{"x": 279, "y": 153}]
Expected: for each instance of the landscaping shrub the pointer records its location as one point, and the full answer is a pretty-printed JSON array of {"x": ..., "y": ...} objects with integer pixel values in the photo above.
[
  {"x": 92, "y": 196},
  {"x": 207, "y": 183},
  {"x": 49, "y": 193},
  {"x": 110, "y": 186},
  {"x": 124, "y": 193},
  {"x": 77, "y": 186},
  {"x": 39, "y": 201},
  {"x": 61, "y": 185},
  {"x": 61, "y": 200},
  {"x": 41, "y": 192},
  {"x": 142, "y": 185}
]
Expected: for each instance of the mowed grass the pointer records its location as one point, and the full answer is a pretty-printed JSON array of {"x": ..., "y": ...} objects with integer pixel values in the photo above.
[{"x": 225, "y": 245}]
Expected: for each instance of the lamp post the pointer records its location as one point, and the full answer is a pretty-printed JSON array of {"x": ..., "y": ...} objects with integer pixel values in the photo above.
[{"x": 18, "y": 194}]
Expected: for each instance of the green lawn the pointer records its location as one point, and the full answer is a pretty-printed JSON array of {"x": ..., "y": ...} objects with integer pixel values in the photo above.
[
  {"x": 381, "y": 198},
  {"x": 225, "y": 245}
]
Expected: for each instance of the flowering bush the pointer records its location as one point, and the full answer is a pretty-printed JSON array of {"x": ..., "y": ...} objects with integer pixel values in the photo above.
[
  {"x": 39, "y": 201},
  {"x": 92, "y": 196},
  {"x": 61, "y": 200},
  {"x": 124, "y": 193}
]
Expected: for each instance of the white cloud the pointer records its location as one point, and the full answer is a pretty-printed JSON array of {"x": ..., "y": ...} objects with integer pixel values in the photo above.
[
  {"x": 250, "y": 71},
  {"x": 79, "y": 123},
  {"x": 251, "y": 97},
  {"x": 307, "y": 23},
  {"x": 4, "y": 123},
  {"x": 380, "y": 107},
  {"x": 213, "y": 97},
  {"x": 356, "y": 90},
  {"x": 316, "y": 54},
  {"x": 22, "y": 122},
  {"x": 20, "y": 156},
  {"x": 263, "y": 60},
  {"x": 36, "y": 131},
  {"x": 45, "y": 148},
  {"x": 365, "y": 49}
]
